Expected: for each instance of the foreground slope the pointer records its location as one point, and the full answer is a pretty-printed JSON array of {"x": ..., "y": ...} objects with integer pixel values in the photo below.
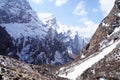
[
  {"x": 11, "y": 69},
  {"x": 101, "y": 56}
]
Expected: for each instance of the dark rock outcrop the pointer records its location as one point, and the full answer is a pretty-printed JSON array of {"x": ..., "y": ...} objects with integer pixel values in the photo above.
[{"x": 6, "y": 44}]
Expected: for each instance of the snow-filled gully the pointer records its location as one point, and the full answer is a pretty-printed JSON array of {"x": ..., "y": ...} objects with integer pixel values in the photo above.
[{"x": 79, "y": 69}]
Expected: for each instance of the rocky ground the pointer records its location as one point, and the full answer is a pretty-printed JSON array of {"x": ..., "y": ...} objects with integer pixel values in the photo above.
[{"x": 11, "y": 69}]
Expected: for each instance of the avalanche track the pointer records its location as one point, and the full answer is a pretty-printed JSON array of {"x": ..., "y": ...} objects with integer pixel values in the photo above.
[{"x": 81, "y": 67}]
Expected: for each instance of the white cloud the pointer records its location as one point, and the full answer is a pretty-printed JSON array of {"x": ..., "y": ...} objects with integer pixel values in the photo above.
[
  {"x": 60, "y": 2},
  {"x": 89, "y": 26},
  {"x": 80, "y": 9},
  {"x": 38, "y": 1},
  {"x": 106, "y": 6},
  {"x": 89, "y": 29}
]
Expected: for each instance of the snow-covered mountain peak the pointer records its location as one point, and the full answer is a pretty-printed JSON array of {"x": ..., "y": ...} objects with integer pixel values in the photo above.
[
  {"x": 17, "y": 11},
  {"x": 50, "y": 20}
]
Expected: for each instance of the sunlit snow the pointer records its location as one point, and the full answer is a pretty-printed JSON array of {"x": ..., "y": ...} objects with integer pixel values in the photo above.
[{"x": 16, "y": 29}]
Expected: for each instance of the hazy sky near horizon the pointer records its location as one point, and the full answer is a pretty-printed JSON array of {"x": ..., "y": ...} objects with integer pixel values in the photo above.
[{"x": 86, "y": 14}]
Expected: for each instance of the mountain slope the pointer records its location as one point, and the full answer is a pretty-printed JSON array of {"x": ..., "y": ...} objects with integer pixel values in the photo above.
[
  {"x": 104, "y": 31},
  {"x": 102, "y": 57},
  {"x": 108, "y": 68}
]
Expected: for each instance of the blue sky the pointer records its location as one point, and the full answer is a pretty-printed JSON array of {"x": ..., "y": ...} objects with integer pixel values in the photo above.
[{"x": 86, "y": 14}]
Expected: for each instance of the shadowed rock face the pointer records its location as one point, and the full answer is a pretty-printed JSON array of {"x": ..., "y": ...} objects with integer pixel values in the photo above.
[{"x": 6, "y": 44}]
